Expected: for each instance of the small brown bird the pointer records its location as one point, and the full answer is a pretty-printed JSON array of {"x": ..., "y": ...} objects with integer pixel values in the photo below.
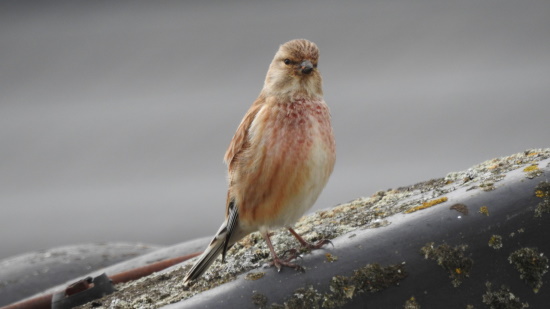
[{"x": 280, "y": 158}]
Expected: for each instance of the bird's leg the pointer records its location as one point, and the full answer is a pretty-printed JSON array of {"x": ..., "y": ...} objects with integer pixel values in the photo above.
[
  {"x": 279, "y": 263},
  {"x": 294, "y": 253},
  {"x": 306, "y": 244}
]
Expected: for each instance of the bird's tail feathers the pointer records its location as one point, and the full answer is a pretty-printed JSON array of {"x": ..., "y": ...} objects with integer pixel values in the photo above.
[
  {"x": 219, "y": 245},
  {"x": 208, "y": 256}
]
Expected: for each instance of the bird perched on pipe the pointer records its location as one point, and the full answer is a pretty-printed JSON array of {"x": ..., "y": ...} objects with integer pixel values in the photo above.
[{"x": 280, "y": 157}]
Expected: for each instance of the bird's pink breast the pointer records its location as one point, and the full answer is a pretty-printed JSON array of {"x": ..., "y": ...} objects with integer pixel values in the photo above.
[{"x": 295, "y": 145}]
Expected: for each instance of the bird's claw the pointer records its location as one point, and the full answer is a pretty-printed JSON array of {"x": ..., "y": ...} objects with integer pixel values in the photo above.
[
  {"x": 294, "y": 253},
  {"x": 317, "y": 245},
  {"x": 280, "y": 263}
]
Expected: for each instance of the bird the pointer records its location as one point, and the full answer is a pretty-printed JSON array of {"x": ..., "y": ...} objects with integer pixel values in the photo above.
[{"x": 279, "y": 159}]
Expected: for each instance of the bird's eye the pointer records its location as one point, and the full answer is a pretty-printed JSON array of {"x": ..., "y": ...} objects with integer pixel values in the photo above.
[{"x": 287, "y": 61}]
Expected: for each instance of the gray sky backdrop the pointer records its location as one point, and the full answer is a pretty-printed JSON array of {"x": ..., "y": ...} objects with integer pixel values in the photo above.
[{"x": 115, "y": 115}]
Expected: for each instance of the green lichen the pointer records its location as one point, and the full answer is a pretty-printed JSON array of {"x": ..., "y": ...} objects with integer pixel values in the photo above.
[
  {"x": 259, "y": 299},
  {"x": 342, "y": 291},
  {"x": 371, "y": 278},
  {"x": 542, "y": 190},
  {"x": 484, "y": 210},
  {"x": 253, "y": 276},
  {"x": 487, "y": 186},
  {"x": 502, "y": 299},
  {"x": 460, "y": 208},
  {"x": 304, "y": 298},
  {"x": 495, "y": 242},
  {"x": 531, "y": 266},
  {"x": 452, "y": 259}
]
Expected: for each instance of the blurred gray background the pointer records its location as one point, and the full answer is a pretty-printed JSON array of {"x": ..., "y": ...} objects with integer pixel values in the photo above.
[{"x": 115, "y": 115}]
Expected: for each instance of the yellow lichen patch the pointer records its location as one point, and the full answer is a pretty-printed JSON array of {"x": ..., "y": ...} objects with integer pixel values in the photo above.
[
  {"x": 533, "y": 171},
  {"x": 255, "y": 276},
  {"x": 428, "y": 204},
  {"x": 484, "y": 210},
  {"x": 331, "y": 258},
  {"x": 531, "y": 168},
  {"x": 411, "y": 303}
]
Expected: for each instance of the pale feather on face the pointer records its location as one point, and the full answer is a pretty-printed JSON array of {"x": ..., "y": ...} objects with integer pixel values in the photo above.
[{"x": 285, "y": 76}]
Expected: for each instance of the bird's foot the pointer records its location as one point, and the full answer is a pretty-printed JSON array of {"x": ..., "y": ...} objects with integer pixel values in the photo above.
[
  {"x": 318, "y": 245},
  {"x": 280, "y": 263},
  {"x": 307, "y": 245},
  {"x": 294, "y": 253}
]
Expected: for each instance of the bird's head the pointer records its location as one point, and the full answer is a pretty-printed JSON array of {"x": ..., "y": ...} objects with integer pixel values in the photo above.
[{"x": 293, "y": 70}]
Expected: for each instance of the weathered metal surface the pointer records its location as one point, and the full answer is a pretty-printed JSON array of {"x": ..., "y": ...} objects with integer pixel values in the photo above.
[
  {"x": 78, "y": 269},
  {"x": 474, "y": 239},
  {"x": 486, "y": 239},
  {"x": 24, "y": 275}
]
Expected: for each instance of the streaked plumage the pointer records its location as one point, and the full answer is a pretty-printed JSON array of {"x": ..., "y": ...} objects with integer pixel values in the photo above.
[{"x": 280, "y": 157}]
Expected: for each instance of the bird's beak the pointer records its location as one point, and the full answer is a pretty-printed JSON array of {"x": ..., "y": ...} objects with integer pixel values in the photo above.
[{"x": 306, "y": 67}]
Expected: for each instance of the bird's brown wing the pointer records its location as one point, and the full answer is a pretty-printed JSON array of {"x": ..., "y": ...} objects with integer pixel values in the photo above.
[{"x": 239, "y": 142}]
